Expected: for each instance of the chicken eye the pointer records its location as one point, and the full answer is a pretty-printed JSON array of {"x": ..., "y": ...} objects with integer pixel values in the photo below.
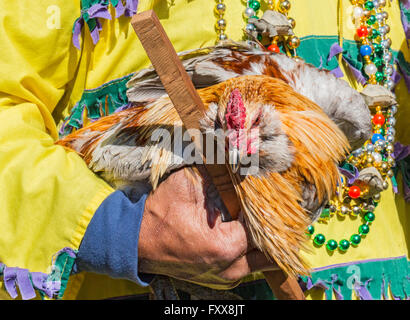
[{"x": 256, "y": 121}]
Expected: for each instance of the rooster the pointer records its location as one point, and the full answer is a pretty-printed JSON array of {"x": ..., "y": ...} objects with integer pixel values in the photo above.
[
  {"x": 302, "y": 135},
  {"x": 213, "y": 65}
]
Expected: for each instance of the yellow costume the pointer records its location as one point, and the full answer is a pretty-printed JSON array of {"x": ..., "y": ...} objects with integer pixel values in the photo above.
[{"x": 49, "y": 195}]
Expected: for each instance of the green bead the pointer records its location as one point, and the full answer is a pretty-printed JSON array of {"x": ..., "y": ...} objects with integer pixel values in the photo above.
[
  {"x": 331, "y": 245},
  {"x": 369, "y": 5},
  {"x": 259, "y": 37},
  {"x": 378, "y": 61},
  {"x": 375, "y": 34},
  {"x": 369, "y": 217},
  {"x": 319, "y": 239},
  {"x": 255, "y": 5},
  {"x": 379, "y": 76},
  {"x": 364, "y": 229},
  {"x": 325, "y": 213},
  {"x": 254, "y": 17},
  {"x": 344, "y": 245},
  {"x": 378, "y": 48},
  {"x": 310, "y": 230},
  {"x": 372, "y": 20},
  {"x": 355, "y": 239}
]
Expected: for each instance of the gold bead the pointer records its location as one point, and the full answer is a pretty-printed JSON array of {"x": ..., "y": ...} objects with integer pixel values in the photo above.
[
  {"x": 293, "y": 42},
  {"x": 292, "y": 22},
  {"x": 284, "y": 6}
]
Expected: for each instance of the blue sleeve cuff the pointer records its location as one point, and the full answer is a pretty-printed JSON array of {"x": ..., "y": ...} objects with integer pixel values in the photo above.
[{"x": 110, "y": 243}]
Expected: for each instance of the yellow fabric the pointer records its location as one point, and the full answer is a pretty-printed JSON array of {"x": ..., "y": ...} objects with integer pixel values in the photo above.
[{"x": 48, "y": 195}]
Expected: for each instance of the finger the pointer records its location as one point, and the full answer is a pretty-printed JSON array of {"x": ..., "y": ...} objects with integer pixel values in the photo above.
[{"x": 253, "y": 261}]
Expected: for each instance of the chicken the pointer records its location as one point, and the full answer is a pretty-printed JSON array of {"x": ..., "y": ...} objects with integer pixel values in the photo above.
[
  {"x": 297, "y": 146},
  {"x": 213, "y": 65}
]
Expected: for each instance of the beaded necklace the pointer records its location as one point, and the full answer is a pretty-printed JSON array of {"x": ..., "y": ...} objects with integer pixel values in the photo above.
[{"x": 352, "y": 197}]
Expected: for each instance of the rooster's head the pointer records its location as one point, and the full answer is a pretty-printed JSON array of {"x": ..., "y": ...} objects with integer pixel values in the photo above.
[{"x": 250, "y": 129}]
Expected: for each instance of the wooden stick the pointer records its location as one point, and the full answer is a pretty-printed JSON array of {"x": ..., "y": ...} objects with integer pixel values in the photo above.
[{"x": 190, "y": 108}]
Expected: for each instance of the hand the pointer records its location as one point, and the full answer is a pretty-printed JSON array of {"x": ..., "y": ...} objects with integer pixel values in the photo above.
[{"x": 182, "y": 236}]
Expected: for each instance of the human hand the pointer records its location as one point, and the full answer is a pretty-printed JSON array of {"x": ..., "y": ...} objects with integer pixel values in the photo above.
[{"x": 182, "y": 236}]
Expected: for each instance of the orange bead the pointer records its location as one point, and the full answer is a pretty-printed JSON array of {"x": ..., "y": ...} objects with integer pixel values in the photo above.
[
  {"x": 354, "y": 192},
  {"x": 274, "y": 48},
  {"x": 378, "y": 119},
  {"x": 362, "y": 31}
]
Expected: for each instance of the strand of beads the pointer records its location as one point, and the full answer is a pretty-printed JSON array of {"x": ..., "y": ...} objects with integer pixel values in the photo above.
[
  {"x": 251, "y": 11},
  {"x": 372, "y": 33},
  {"x": 220, "y": 26},
  {"x": 378, "y": 151},
  {"x": 292, "y": 42}
]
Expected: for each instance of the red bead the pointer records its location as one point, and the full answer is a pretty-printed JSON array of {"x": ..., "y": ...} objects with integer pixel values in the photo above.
[
  {"x": 274, "y": 48},
  {"x": 362, "y": 31},
  {"x": 378, "y": 119},
  {"x": 354, "y": 192}
]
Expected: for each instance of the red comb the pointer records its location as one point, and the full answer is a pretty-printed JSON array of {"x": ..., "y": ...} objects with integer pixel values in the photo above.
[{"x": 235, "y": 111}]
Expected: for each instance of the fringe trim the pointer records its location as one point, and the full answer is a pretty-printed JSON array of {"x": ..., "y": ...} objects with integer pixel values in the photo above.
[
  {"x": 51, "y": 285},
  {"x": 93, "y": 10},
  {"x": 96, "y": 103},
  {"x": 369, "y": 280},
  {"x": 402, "y": 157},
  {"x": 405, "y": 17}
]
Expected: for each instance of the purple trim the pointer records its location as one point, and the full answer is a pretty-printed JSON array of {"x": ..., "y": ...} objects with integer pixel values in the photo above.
[
  {"x": 131, "y": 7},
  {"x": 404, "y": 20},
  {"x": 119, "y": 9},
  {"x": 404, "y": 74},
  {"x": 319, "y": 284},
  {"x": 25, "y": 286},
  {"x": 99, "y": 11},
  {"x": 67, "y": 250},
  {"x": 26, "y": 282},
  {"x": 362, "y": 291},
  {"x": 17, "y": 277},
  {"x": 337, "y": 72},
  {"x": 9, "y": 278},
  {"x": 401, "y": 152},
  {"x": 396, "y": 77},
  {"x": 351, "y": 177},
  {"x": 355, "y": 263},
  {"x": 338, "y": 294},
  {"x": 335, "y": 49},
  {"x": 78, "y": 26},
  {"x": 125, "y": 107}
]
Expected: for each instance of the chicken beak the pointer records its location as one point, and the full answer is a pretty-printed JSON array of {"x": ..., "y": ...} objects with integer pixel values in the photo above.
[{"x": 234, "y": 159}]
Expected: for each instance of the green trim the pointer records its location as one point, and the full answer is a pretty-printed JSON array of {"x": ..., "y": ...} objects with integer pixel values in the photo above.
[
  {"x": 315, "y": 50},
  {"x": 94, "y": 101},
  {"x": 394, "y": 273}
]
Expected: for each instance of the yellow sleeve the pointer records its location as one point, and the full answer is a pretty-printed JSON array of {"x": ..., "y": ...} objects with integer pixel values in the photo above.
[{"x": 48, "y": 195}]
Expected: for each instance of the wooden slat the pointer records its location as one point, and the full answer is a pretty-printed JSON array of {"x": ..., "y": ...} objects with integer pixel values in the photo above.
[
  {"x": 182, "y": 93},
  {"x": 190, "y": 108}
]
